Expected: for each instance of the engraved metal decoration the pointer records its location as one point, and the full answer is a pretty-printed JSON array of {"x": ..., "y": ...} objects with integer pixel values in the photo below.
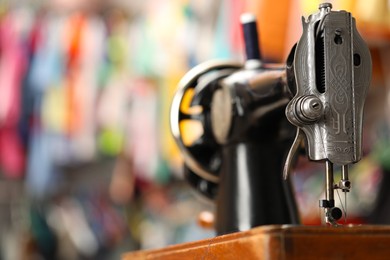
[
  {"x": 345, "y": 77},
  {"x": 332, "y": 73}
]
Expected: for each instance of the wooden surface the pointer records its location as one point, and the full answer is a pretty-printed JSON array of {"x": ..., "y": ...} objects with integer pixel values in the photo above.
[{"x": 283, "y": 242}]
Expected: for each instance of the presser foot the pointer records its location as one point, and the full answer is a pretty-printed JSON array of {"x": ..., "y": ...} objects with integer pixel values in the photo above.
[{"x": 332, "y": 213}]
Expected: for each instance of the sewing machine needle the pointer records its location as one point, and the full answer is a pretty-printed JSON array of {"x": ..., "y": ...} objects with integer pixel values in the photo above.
[
  {"x": 345, "y": 205},
  {"x": 346, "y": 185}
]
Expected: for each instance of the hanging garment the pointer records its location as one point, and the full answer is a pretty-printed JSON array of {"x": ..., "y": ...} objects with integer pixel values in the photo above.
[
  {"x": 46, "y": 70},
  {"x": 112, "y": 104},
  {"x": 13, "y": 63}
]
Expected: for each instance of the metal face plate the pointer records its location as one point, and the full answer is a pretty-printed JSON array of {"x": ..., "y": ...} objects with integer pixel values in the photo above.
[{"x": 335, "y": 136}]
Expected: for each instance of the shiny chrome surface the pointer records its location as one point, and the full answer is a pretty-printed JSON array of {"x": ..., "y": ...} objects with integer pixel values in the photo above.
[{"x": 329, "y": 72}]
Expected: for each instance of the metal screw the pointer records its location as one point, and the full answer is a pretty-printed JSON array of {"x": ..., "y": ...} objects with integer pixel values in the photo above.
[
  {"x": 311, "y": 108},
  {"x": 325, "y": 6}
]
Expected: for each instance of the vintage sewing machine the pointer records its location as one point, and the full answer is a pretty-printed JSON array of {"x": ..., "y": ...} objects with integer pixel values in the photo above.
[
  {"x": 255, "y": 119},
  {"x": 251, "y": 112}
]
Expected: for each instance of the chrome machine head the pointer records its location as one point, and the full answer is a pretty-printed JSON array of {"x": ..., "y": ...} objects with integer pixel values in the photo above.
[{"x": 330, "y": 72}]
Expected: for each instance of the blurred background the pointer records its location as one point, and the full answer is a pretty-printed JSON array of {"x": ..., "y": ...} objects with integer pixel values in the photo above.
[{"x": 88, "y": 167}]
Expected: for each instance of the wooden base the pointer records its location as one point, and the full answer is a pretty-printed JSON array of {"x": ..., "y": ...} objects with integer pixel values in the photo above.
[{"x": 283, "y": 242}]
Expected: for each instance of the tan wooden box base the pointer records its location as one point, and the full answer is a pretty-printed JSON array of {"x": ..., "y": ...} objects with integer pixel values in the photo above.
[{"x": 283, "y": 242}]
